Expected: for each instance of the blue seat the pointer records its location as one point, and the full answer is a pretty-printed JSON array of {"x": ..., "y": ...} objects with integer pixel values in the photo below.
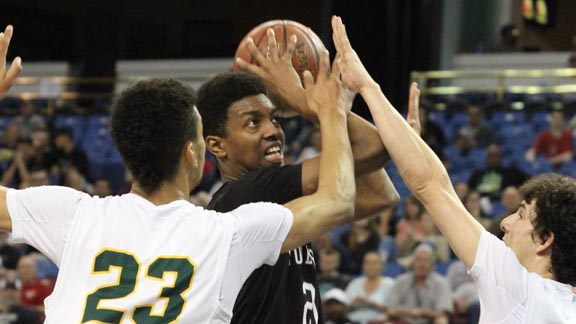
[{"x": 392, "y": 269}]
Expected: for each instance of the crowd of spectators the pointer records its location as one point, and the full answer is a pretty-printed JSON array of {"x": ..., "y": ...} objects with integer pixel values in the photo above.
[{"x": 394, "y": 267}]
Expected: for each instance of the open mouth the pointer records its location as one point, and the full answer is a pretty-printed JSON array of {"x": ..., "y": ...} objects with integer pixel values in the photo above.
[{"x": 274, "y": 155}]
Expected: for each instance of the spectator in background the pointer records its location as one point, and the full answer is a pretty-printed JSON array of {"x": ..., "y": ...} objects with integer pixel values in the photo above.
[
  {"x": 359, "y": 240},
  {"x": 28, "y": 120},
  {"x": 368, "y": 293},
  {"x": 9, "y": 255},
  {"x": 325, "y": 242},
  {"x": 464, "y": 293},
  {"x": 431, "y": 132},
  {"x": 411, "y": 230},
  {"x": 67, "y": 155},
  {"x": 511, "y": 200},
  {"x": 314, "y": 147},
  {"x": 10, "y": 140},
  {"x": 555, "y": 144},
  {"x": 474, "y": 206},
  {"x": 11, "y": 312},
  {"x": 18, "y": 172},
  {"x": 335, "y": 306},
  {"x": 490, "y": 181},
  {"x": 330, "y": 277},
  {"x": 38, "y": 177},
  {"x": 475, "y": 133},
  {"x": 102, "y": 188},
  {"x": 42, "y": 148},
  {"x": 34, "y": 289},
  {"x": 421, "y": 296}
]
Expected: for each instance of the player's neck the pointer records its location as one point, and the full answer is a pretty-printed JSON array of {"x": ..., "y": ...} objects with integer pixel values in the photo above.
[
  {"x": 542, "y": 266},
  {"x": 167, "y": 193}
]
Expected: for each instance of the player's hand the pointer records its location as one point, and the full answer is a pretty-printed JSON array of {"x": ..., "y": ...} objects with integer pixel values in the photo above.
[
  {"x": 328, "y": 94},
  {"x": 413, "y": 116},
  {"x": 7, "y": 78},
  {"x": 354, "y": 74},
  {"x": 276, "y": 70}
]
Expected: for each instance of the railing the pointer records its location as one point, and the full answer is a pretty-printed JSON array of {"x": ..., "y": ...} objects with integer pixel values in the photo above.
[{"x": 432, "y": 83}]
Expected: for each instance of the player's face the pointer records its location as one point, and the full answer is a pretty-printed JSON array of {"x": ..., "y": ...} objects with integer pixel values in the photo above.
[
  {"x": 519, "y": 231},
  {"x": 254, "y": 138}
]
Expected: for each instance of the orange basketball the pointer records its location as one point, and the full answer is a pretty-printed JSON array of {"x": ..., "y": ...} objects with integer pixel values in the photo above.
[{"x": 308, "y": 47}]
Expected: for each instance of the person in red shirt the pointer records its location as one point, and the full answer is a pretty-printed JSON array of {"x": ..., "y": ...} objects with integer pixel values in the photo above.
[
  {"x": 555, "y": 143},
  {"x": 34, "y": 289}
]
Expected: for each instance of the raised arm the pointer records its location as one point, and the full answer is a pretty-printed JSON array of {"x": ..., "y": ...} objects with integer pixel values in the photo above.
[
  {"x": 421, "y": 169},
  {"x": 285, "y": 88},
  {"x": 333, "y": 203},
  {"x": 6, "y": 80}
]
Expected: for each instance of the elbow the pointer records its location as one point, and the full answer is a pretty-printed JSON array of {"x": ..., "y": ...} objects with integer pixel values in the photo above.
[
  {"x": 344, "y": 205},
  {"x": 390, "y": 201}
]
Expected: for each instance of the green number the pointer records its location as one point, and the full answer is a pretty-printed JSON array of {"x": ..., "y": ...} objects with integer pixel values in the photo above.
[
  {"x": 128, "y": 266},
  {"x": 183, "y": 270}
]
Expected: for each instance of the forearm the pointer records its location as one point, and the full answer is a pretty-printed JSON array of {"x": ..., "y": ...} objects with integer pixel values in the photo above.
[
  {"x": 416, "y": 163},
  {"x": 424, "y": 174},
  {"x": 336, "y": 163},
  {"x": 332, "y": 204},
  {"x": 375, "y": 193}
]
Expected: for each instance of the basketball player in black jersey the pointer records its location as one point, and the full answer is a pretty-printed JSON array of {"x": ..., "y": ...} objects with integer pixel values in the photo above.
[{"x": 243, "y": 132}]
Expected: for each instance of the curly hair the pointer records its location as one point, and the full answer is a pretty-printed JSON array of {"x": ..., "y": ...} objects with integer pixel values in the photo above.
[
  {"x": 151, "y": 122},
  {"x": 556, "y": 214},
  {"x": 219, "y": 93}
]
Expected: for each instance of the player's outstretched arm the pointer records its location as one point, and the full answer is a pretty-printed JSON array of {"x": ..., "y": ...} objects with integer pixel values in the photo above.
[
  {"x": 421, "y": 169},
  {"x": 7, "y": 78},
  {"x": 333, "y": 203}
]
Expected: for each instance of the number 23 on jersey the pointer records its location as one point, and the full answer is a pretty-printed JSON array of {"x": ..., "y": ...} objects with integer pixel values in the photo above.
[{"x": 128, "y": 267}]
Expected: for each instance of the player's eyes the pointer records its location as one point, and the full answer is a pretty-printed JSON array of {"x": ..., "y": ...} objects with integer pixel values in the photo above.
[{"x": 252, "y": 123}]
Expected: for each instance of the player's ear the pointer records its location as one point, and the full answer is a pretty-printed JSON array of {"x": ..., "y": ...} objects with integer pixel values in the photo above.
[
  {"x": 545, "y": 246},
  {"x": 190, "y": 153},
  {"x": 216, "y": 146}
]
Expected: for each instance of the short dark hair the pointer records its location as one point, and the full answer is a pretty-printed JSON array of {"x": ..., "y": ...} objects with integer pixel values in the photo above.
[
  {"x": 64, "y": 131},
  {"x": 217, "y": 94},
  {"x": 556, "y": 213},
  {"x": 151, "y": 122}
]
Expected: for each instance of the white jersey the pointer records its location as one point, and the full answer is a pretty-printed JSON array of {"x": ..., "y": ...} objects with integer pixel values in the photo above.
[
  {"x": 125, "y": 260},
  {"x": 510, "y": 294}
]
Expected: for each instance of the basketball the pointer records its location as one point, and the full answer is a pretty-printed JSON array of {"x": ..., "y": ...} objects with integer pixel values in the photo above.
[{"x": 308, "y": 47}]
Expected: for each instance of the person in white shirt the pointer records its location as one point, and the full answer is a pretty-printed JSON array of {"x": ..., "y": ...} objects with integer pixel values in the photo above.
[
  {"x": 150, "y": 256},
  {"x": 527, "y": 278}
]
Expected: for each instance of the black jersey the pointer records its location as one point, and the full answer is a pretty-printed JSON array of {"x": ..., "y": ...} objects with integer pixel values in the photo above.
[{"x": 286, "y": 293}]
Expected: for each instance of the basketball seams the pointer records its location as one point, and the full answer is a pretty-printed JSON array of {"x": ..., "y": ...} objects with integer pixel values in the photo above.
[{"x": 307, "y": 54}]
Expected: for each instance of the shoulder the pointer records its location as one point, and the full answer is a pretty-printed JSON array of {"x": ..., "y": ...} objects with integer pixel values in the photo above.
[{"x": 404, "y": 279}]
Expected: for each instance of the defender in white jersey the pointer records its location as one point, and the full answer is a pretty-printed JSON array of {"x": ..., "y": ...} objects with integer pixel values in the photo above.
[
  {"x": 529, "y": 277},
  {"x": 152, "y": 257}
]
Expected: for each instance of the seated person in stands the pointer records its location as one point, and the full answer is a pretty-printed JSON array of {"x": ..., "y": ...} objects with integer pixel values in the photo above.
[
  {"x": 368, "y": 293},
  {"x": 475, "y": 133},
  {"x": 491, "y": 181},
  {"x": 431, "y": 132},
  {"x": 421, "y": 296},
  {"x": 67, "y": 155},
  {"x": 329, "y": 276},
  {"x": 555, "y": 144}
]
